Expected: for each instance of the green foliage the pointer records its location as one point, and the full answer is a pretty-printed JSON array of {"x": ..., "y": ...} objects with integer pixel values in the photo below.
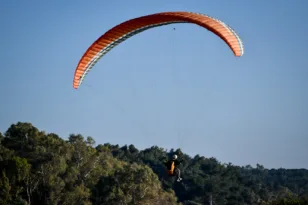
[
  {"x": 132, "y": 184},
  {"x": 5, "y": 189},
  {"x": 290, "y": 200},
  {"x": 42, "y": 168}
]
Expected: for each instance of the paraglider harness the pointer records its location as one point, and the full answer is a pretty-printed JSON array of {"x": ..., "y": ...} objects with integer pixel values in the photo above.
[{"x": 171, "y": 167}]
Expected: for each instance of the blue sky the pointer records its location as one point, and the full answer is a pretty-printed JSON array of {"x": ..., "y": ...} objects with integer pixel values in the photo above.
[{"x": 181, "y": 88}]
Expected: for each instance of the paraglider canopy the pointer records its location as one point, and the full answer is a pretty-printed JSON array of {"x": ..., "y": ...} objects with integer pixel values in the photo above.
[{"x": 129, "y": 28}]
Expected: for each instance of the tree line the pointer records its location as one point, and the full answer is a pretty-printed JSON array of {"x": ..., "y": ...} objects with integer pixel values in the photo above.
[{"x": 42, "y": 168}]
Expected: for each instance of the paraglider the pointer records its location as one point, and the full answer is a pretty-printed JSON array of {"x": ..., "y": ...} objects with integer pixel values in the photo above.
[
  {"x": 172, "y": 167},
  {"x": 129, "y": 28}
]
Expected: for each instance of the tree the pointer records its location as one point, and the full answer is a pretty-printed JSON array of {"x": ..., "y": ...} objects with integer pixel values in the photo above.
[
  {"x": 42, "y": 168},
  {"x": 132, "y": 184}
]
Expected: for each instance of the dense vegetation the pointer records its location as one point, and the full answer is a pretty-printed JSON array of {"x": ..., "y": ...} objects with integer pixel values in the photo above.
[{"x": 42, "y": 168}]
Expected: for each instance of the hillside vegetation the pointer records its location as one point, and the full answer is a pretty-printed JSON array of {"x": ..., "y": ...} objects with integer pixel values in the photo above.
[{"x": 42, "y": 168}]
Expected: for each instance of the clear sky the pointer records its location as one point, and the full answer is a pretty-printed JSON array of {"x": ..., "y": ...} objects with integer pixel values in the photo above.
[{"x": 172, "y": 88}]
